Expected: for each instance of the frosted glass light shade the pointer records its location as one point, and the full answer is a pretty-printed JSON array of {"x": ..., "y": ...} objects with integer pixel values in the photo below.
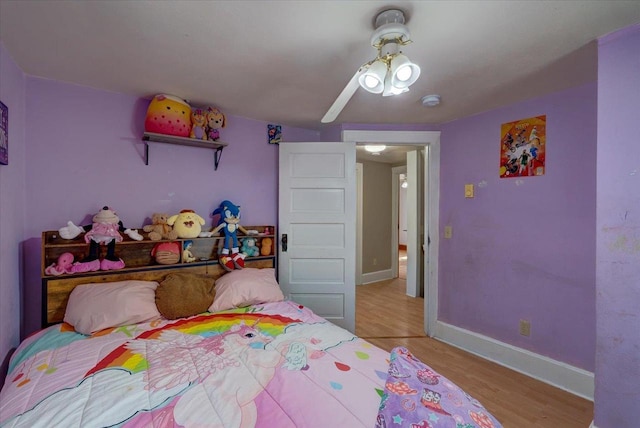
[
  {"x": 391, "y": 89},
  {"x": 373, "y": 78},
  {"x": 403, "y": 72}
]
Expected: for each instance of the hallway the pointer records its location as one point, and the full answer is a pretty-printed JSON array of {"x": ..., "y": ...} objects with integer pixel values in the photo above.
[{"x": 383, "y": 309}]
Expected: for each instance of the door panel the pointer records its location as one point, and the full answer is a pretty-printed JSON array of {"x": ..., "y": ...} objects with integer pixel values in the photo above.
[
  {"x": 332, "y": 305},
  {"x": 317, "y": 213},
  {"x": 318, "y": 236},
  {"x": 314, "y": 200}
]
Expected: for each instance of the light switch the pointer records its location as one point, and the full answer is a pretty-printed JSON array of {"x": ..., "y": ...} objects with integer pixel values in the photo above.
[
  {"x": 468, "y": 190},
  {"x": 447, "y": 232}
]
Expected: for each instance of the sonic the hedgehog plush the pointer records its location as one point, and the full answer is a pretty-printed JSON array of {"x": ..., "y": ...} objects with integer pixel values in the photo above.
[{"x": 229, "y": 223}]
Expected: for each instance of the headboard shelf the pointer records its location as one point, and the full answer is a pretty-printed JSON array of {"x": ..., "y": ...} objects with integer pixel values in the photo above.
[{"x": 139, "y": 264}]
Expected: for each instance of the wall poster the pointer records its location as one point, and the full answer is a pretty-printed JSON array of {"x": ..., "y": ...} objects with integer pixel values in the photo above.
[
  {"x": 274, "y": 133},
  {"x": 4, "y": 134},
  {"x": 522, "y": 148}
]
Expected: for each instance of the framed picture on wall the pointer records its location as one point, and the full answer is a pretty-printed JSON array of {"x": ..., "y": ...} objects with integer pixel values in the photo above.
[
  {"x": 4, "y": 134},
  {"x": 523, "y": 147}
]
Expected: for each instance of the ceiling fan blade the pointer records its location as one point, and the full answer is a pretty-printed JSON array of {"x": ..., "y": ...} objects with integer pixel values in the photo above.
[{"x": 343, "y": 98}]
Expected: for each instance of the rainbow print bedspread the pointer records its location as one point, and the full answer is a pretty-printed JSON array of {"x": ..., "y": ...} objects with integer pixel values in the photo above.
[{"x": 271, "y": 365}]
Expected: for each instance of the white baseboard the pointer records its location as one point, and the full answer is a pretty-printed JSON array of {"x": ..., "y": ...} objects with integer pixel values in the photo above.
[
  {"x": 381, "y": 275},
  {"x": 561, "y": 375}
]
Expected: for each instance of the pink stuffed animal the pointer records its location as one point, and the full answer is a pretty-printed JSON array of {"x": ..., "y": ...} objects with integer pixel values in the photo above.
[{"x": 65, "y": 261}]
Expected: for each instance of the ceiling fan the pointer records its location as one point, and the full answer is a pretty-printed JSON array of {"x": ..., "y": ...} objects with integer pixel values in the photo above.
[{"x": 390, "y": 72}]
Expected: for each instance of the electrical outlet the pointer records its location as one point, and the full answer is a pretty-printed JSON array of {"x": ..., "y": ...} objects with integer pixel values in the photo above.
[
  {"x": 447, "y": 232},
  {"x": 375, "y": 262},
  {"x": 525, "y": 327}
]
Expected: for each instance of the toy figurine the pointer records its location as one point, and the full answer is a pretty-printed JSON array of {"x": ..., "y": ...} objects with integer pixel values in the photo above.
[
  {"x": 198, "y": 124},
  {"x": 105, "y": 230},
  {"x": 215, "y": 120},
  {"x": 187, "y": 255},
  {"x": 229, "y": 223},
  {"x": 250, "y": 247},
  {"x": 64, "y": 265}
]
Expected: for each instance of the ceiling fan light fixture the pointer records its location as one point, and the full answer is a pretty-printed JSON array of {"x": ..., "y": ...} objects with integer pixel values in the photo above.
[
  {"x": 403, "y": 72},
  {"x": 390, "y": 72},
  {"x": 375, "y": 148},
  {"x": 391, "y": 89},
  {"x": 373, "y": 78}
]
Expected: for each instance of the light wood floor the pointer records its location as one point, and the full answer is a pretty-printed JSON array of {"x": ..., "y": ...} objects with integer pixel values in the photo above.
[{"x": 387, "y": 317}]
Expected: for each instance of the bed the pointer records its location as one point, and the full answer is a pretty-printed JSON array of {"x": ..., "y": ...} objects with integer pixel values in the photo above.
[{"x": 250, "y": 359}]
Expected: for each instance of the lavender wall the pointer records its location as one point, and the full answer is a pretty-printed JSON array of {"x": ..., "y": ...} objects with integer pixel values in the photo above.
[
  {"x": 84, "y": 151},
  {"x": 12, "y": 191},
  {"x": 523, "y": 248},
  {"x": 617, "y": 392}
]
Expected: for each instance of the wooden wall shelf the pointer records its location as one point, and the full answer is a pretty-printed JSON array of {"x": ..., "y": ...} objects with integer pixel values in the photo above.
[{"x": 151, "y": 137}]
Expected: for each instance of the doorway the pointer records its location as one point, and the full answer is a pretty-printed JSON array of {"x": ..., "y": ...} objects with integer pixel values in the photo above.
[{"x": 429, "y": 245}]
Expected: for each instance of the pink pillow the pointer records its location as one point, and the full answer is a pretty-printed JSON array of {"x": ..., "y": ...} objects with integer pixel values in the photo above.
[
  {"x": 245, "y": 287},
  {"x": 94, "y": 307}
]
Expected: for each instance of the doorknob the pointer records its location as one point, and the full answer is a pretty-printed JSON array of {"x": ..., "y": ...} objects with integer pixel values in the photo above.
[{"x": 283, "y": 242}]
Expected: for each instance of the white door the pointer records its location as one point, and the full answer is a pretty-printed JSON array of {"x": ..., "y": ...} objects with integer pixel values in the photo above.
[{"x": 317, "y": 219}]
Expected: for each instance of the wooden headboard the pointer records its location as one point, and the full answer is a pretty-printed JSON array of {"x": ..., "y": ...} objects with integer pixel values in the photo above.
[
  {"x": 140, "y": 264},
  {"x": 56, "y": 291}
]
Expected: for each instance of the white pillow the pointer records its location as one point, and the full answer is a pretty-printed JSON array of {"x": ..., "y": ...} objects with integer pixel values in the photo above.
[
  {"x": 94, "y": 307},
  {"x": 245, "y": 287}
]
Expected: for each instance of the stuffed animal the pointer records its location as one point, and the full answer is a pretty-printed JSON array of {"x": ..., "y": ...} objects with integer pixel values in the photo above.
[
  {"x": 187, "y": 224},
  {"x": 229, "y": 223},
  {"x": 64, "y": 264},
  {"x": 198, "y": 124},
  {"x": 215, "y": 120},
  {"x": 166, "y": 253},
  {"x": 159, "y": 229},
  {"x": 265, "y": 246},
  {"x": 187, "y": 255},
  {"x": 182, "y": 295},
  {"x": 105, "y": 230},
  {"x": 249, "y": 247},
  {"x": 168, "y": 115}
]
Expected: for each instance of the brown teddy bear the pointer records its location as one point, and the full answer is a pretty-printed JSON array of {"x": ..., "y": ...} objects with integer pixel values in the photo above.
[{"x": 159, "y": 229}]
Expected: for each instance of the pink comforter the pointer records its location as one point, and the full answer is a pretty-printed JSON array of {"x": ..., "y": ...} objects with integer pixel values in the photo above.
[{"x": 271, "y": 365}]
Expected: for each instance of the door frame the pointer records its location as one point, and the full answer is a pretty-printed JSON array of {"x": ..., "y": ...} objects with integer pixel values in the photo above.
[
  {"x": 395, "y": 215},
  {"x": 431, "y": 141},
  {"x": 358, "y": 221}
]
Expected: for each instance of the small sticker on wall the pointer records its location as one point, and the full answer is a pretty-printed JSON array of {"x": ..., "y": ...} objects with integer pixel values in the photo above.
[{"x": 274, "y": 133}]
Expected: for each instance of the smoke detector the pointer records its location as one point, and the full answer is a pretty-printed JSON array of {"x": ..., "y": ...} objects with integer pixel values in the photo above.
[{"x": 430, "y": 100}]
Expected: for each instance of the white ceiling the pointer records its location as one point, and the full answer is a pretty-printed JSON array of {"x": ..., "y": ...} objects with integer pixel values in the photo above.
[{"x": 286, "y": 61}]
